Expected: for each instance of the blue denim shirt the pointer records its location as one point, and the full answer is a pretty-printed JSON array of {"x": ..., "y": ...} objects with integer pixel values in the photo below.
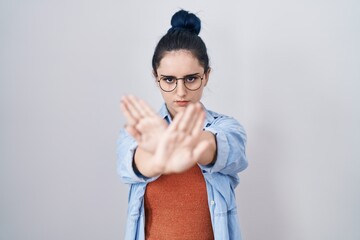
[{"x": 221, "y": 178}]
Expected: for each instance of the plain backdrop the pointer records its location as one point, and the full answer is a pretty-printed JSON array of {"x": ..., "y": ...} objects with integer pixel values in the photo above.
[{"x": 287, "y": 70}]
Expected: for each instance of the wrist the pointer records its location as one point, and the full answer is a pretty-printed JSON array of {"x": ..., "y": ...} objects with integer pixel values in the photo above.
[{"x": 209, "y": 156}]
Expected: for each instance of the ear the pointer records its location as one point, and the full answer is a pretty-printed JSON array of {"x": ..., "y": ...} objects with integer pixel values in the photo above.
[
  {"x": 206, "y": 76},
  {"x": 154, "y": 74}
]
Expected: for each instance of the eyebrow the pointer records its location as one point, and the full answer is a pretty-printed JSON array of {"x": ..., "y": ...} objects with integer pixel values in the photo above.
[{"x": 188, "y": 75}]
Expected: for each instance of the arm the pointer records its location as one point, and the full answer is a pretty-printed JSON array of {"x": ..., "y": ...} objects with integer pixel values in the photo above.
[
  {"x": 142, "y": 164},
  {"x": 230, "y": 139},
  {"x": 126, "y": 148},
  {"x": 209, "y": 156}
]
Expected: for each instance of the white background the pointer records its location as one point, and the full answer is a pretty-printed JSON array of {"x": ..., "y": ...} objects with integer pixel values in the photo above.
[{"x": 287, "y": 70}]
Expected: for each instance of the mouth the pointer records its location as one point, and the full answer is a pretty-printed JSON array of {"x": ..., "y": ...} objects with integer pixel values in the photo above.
[{"x": 182, "y": 103}]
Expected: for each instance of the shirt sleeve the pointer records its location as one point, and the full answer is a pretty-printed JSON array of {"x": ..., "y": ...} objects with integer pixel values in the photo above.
[
  {"x": 230, "y": 146},
  {"x": 126, "y": 147}
]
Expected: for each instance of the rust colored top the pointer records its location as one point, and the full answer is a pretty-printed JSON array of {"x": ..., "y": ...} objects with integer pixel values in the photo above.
[{"x": 176, "y": 207}]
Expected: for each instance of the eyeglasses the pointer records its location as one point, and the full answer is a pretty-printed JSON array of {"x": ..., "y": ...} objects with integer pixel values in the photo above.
[{"x": 191, "y": 82}]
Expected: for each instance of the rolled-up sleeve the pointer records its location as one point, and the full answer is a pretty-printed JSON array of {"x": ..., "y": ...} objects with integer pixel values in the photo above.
[
  {"x": 230, "y": 143},
  {"x": 125, "y": 151}
]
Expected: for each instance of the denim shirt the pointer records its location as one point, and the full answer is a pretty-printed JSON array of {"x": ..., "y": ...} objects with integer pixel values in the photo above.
[{"x": 221, "y": 177}]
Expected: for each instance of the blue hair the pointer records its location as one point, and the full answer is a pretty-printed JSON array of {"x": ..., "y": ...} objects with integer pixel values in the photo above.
[
  {"x": 183, "y": 35},
  {"x": 186, "y": 21}
]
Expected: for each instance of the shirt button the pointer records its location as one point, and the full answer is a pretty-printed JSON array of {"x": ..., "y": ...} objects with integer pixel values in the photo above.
[{"x": 212, "y": 202}]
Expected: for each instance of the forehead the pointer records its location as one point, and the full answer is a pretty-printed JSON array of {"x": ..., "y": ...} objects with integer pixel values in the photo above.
[{"x": 180, "y": 62}]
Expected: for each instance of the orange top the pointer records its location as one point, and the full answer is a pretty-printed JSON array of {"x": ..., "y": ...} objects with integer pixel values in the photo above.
[{"x": 176, "y": 207}]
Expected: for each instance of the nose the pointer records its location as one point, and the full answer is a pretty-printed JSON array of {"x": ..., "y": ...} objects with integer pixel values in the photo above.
[{"x": 181, "y": 89}]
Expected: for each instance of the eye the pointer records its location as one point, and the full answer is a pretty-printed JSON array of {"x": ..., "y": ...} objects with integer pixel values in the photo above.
[
  {"x": 169, "y": 80},
  {"x": 191, "y": 79}
]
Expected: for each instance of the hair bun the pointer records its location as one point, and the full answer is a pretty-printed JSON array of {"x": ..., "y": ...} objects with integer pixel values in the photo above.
[{"x": 186, "y": 21}]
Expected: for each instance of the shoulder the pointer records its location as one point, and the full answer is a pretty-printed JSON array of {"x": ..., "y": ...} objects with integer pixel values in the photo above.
[
  {"x": 217, "y": 122},
  {"x": 213, "y": 113},
  {"x": 213, "y": 117}
]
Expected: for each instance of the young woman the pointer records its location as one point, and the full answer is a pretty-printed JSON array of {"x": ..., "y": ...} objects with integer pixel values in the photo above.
[{"x": 182, "y": 163}]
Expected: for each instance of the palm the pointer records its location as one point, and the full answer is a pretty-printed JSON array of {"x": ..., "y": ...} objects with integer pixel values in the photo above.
[
  {"x": 143, "y": 123},
  {"x": 181, "y": 158},
  {"x": 151, "y": 129},
  {"x": 179, "y": 149}
]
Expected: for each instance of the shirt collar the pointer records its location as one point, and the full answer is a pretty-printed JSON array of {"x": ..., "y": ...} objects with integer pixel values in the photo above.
[{"x": 164, "y": 113}]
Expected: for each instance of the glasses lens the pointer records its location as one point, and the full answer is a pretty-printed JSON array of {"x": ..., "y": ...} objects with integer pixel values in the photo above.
[
  {"x": 166, "y": 85},
  {"x": 193, "y": 83}
]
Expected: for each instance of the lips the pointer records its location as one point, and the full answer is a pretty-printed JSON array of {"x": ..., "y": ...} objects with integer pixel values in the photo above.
[{"x": 182, "y": 103}]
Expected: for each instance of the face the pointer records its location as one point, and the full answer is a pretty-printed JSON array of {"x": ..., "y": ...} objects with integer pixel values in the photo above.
[{"x": 179, "y": 64}]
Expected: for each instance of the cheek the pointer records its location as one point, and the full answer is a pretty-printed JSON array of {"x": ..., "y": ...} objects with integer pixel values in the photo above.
[
  {"x": 166, "y": 96},
  {"x": 200, "y": 93}
]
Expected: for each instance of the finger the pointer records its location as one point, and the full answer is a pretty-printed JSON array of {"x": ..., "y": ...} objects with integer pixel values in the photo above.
[
  {"x": 199, "y": 124},
  {"x": 143, "y": 125},
  {"x": 175, "y": 122},
  {"x": 127, "y": 113},
  {"x": 196, "y": 129},
  {"x": 191, "y": 117},
  {"x": 189, "y": 126},
  {"x": 138, "y": 105},
  {"x": 198, "y": 120},
  {"x": 182, "y": 138},
  {"x": 188, "y": 118},
  {"x": 147, "y": 110},
  {"x": 130, "y": 103},
  {"x": 134, "y": 133}
]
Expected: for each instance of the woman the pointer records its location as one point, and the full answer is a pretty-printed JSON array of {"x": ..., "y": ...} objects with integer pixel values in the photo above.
[{"x": 182, "y": 163}]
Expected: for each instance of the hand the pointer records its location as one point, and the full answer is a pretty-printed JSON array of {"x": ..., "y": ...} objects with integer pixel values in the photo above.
[
  {"x": 143, "y": 123},
  {"x": 180, "y": 147}
]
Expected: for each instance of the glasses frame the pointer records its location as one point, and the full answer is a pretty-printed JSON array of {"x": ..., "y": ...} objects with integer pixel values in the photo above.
[{"x": 176, "y": 83}]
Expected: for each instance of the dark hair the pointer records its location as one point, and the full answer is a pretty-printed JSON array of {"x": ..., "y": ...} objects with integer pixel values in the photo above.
[{"x": 183, "y": 35}]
